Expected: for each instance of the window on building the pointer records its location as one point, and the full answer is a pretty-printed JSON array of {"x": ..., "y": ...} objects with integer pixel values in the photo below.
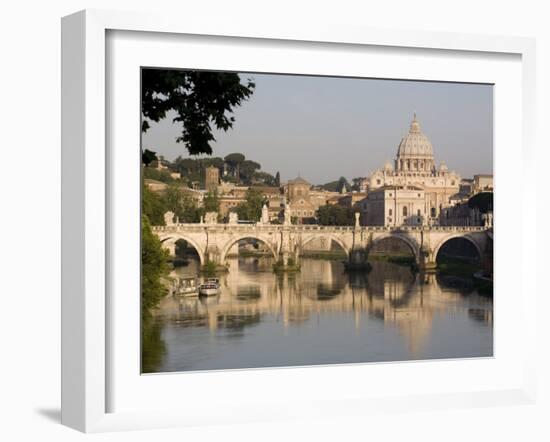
[
  {"x": 432, "y": 212},
  {"x": 390, "y": 212},
  {"x": 404, "y": 210},
  {"x": 418, "y": 212}
]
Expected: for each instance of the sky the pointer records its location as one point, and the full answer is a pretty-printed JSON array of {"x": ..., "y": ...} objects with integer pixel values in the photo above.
[{"x": 321, "y": 128}]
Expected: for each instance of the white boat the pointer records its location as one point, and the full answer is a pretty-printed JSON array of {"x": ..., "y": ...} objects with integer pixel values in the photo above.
[
  {"x": 186, "y": 286},
  {"x": 210, "y": 287}
]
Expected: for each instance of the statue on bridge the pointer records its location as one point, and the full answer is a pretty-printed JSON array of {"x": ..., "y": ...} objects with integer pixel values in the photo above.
[
  {"x": 211, "y": 217},
  {"x": 265, "y": 215},
  {"x": 287, "y": 220},
  {"x": 169, "y": 218}
]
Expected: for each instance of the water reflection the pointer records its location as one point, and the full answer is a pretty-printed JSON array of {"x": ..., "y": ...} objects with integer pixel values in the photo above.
[{"x": 322, "y": 315}]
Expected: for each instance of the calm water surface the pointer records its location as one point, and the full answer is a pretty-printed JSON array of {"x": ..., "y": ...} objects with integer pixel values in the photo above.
[{"x": 320, "y": 315}]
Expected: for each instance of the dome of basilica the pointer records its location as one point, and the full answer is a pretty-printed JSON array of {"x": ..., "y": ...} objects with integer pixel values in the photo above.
[{"x": 415, "y": 144}]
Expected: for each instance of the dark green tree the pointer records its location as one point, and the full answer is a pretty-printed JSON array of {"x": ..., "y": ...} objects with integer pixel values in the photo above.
[
  {"x": 191, "y": 212},
  {"x": 482, "y": 201},
  {"x": 334, "y": 215},
  {"x": 152, "y": 206},
  {"x": 251, "y": 209},
  {"x": 234, "y": 160},
  {"x": 200, "y": 100},
  {"x": 247, "y": 169},
  {"x": 278, "y": 179},
  {"x": 211, "y": 202},
  {"x": 154, "y": 266},
  {"x": 174, "y": 199}
]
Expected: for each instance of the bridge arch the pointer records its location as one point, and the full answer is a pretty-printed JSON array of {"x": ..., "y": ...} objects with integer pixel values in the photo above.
[
  {"x": 173, "y": 238},
  {"x": 323, "y": 236},
  {"x": 229, "y": 244},
  {"x": 410, "y": 242},
  {"x": 450, "y": 237}
]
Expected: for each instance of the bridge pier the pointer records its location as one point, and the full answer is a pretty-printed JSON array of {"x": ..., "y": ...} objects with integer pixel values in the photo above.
[
  {"x": 358, "y": 260},
  {"x": 426, "y": 261}
]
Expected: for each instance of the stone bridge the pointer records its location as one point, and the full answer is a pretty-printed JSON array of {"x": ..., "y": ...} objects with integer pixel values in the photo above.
[{"x": 214, "y": 241}]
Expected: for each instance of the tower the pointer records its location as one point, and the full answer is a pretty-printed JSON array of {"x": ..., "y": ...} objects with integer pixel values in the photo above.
[{"x": 212, "y": 179}]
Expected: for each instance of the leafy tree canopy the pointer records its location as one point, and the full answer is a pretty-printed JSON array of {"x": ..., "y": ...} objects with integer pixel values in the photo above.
[
  {"x": 483, "y": 201},
  {"x": 334, "y": 215},
  {"x": 153, "y": 267},
  {"x": 200, "y": 99},
  {"x": 251, "y": 209},
  {"x": 336, "y": 186}
]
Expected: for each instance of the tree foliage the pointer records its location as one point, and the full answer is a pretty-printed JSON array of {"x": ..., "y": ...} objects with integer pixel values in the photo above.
[
  {"x": 200, "y": 100},
  {"x": 152, "y": 206},
  {"x": 251, "y": 209},
  {"x": 482, "y": 201},
  {"x": 153, "y": 267},
  {"x": 211, "y": 202},
  {"x": 334, "y": 215},
  {"x": 336, "y": 186}
]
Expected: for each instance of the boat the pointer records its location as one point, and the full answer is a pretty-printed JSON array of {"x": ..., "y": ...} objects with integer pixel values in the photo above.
[
  {"x": 186, "y": 286},
  {"x": 210, "y": 287}
]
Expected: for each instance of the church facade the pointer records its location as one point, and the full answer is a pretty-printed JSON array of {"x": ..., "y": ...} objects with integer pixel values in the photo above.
[{"x": 414, "y": 175}]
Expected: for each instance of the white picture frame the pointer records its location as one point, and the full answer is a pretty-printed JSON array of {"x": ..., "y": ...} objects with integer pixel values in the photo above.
[{"x": 87, "y": 353}]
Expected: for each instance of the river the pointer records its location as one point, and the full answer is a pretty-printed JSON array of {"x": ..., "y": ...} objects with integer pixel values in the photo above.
[{"x": 321, "y": 315}]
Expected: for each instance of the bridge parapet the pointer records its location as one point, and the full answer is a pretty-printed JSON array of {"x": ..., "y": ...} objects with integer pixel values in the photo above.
[{"x": 313, "y": 228}]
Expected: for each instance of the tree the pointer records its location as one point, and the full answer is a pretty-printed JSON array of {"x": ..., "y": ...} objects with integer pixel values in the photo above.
[
  {"x": 264, "y": 178},
  {"x": 356, "y": 186},
  {"x": 199, "y": 99},
  {"x": 154, "y": 266},
  {"x": 152, "y": 206},
  {"x": 278, "y": 179},
  {"x": 234, "y": 160},
  {"x": 334, "y": 215},
  {"x": 148, "y": 156},
  {"x": 190, "y": 211},
  {"x": 247, "y": 169},
  {"x": 482, "y": 201},
  {"x": 211, "y": 202},
  {"x": 336, "y": 186},
  {"x": 251, "y": 209},
  {"x": 173, "y": 199}
]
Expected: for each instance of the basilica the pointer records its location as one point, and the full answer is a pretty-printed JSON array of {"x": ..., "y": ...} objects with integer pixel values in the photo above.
[{"x": 412, "y": 191}]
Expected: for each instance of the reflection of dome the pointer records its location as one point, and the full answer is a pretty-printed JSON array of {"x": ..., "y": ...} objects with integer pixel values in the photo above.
[{"x": 415, "y": 144}]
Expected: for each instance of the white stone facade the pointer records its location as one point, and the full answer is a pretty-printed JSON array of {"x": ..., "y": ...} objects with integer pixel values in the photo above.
[
  {"x": 396, "y": 206},
  {"x": 415, "y": 166}
]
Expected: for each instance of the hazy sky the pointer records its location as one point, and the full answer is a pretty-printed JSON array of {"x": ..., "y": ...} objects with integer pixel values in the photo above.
[{"x": 325, "y": 127}]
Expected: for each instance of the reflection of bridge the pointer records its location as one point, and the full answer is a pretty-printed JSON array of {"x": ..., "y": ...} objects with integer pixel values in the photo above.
[
  {"x": 392, "y": 294},
  {"x": 214, "y": 241}
]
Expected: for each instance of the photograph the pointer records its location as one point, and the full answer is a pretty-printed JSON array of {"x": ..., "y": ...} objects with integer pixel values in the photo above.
[{"x": 303, "y": 220}]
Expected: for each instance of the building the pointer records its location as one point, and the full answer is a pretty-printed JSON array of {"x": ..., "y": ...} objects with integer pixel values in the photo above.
[
  {"x": 396, "y": 206},
  {"x": 211, "y": 179},
  {"x": 483, "y": 183},
  {"x": 415, "y": 168},
  {"x": 298, "y": 196}
]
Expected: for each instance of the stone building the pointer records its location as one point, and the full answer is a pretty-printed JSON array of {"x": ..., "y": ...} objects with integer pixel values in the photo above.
[
  {"x": 415, "y": 166},
  {"x": 298, "y": 196},
  {"x": 211, "y": 179},
  {"x": 396, "y": 206},
  {"x": 483, "y": 183}
]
